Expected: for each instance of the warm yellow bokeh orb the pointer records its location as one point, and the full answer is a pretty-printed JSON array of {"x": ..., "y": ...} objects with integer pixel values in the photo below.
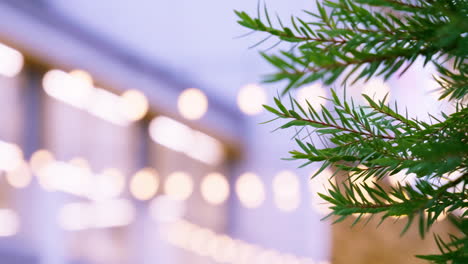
[
  {"x": 250, "y": 190},
  {"x": 40, "y": 159},
  {"x": 82, "y": 77},
  {"x": 251, "y": 99},
  {"x": 178, "y": 185},
  {"x": 144, "y": 184},
  {"x": 19, "y": 177},
  {"x": 192, "y": 104},
  {"x": 286, "y": 191},
  {"x": 134, "y": 105},
  {"x": 215, "y": 188}
]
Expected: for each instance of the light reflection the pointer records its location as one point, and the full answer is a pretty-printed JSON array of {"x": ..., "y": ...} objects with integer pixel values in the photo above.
[
  {"x": 144, "y": 184},
  {"x": 251, "y": 99},
  {"x": 9, "y": 223},
  {"x": 215, "y": 188},
  {"x": 40, "y": 159},
  {"x": 11, "y": 61},
  {"x": 286, "y": 191},
  {"x": 178, "y": 185},
  {"x": 192, "y": 104},
  {"x": 250, "y": 190}
]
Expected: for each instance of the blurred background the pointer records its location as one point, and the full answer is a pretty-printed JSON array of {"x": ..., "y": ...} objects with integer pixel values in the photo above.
[{"x": 129, "y": 133}]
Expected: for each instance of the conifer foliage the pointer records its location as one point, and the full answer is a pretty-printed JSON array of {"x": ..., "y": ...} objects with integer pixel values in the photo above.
[{"x": 345, "y": 41}]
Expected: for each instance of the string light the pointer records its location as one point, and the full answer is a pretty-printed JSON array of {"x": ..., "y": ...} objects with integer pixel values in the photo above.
[
  {"x": 144, "y": 184},
  {"x": 192, "y": 104},
  {"x": 250, "y": 190},
  {"x": 20, "y": 177},
  {"x": 178, "y": 185},
  {"x": 251, "y": 99},
  {"x": 181, "y": 138},
  {"x": 286, "y": 191},
  {"x": 134, "y": 105},
  {"x": 215, "y": 188},
  {"x": 222, "y": 248},
  {"x": 11, "y": 156},
  {"x": 11, "y": 61}
]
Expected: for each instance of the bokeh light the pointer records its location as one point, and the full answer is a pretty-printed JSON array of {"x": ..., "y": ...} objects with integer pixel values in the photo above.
[
  {"x": 251, "y": 99},
  {"x": 144, "y": 184},
  {"x": 40, "y": 159},
  {"x": 314, "y": 94},
  {"x": 170, "y": 133},
  {"x": 192, "y": 104},
  {"x": 215, "y": 188},
  {"x": 402, "y": 178},
  {"x": 11, "y": 61},
  {"x": 286, "y": 191},
  {"x": 178, "y": 185},
  {"x": 320, "y": 184},
  {"x": 134, "y": 105},
  {"x": 11, "y": 156},
  {"x": 376, "y": 88},
  {"x": 110, "y": 183},
  {"x": 9, "y": 223},
  {"x": 166, "y": 209},
  {"x": 19, "y": 177},
  {"x": 250, "y": 190}
]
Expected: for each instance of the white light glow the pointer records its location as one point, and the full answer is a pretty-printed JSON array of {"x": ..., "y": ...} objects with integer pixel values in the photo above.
[
  {"x": 214, "y": 188},
  {"x": 181, "y": 138},
  {"x": 170, "y": 133},
  {"x": 178, "y": 185},
  {"x": 166, "y": 209},
  {"x": 144, "y": 184},
  {"x": 62, "y": 176},
  {"x": 314, "y": 94},
  {"x": 321, "y": 184},
  {"x": 107, "y": 106},
  {"x": 286, "y": 191},
  {"x": 9, "y": 223},
  {"x": 19, "y": 177},
  {"x": 40, "y": 159},
  {"x": 376, "y": 89},
  {"x": 11, "y": 156},
  {"x": 205, "y": 148},
  {"x": 250, "y": 190},
  {"x": 402, "y": 178},
  {"x": 74, "y": 90},
  {"x": 192, "y": 104},
  {"x": 251, "y": 99},
  {"x": 224, "y": 249},
  {"x": 108, "y": 184},
  {"x": 11, "y": 61},
  {"x": 134, "y": 105},
  {"x": 103, "y": 214}
]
